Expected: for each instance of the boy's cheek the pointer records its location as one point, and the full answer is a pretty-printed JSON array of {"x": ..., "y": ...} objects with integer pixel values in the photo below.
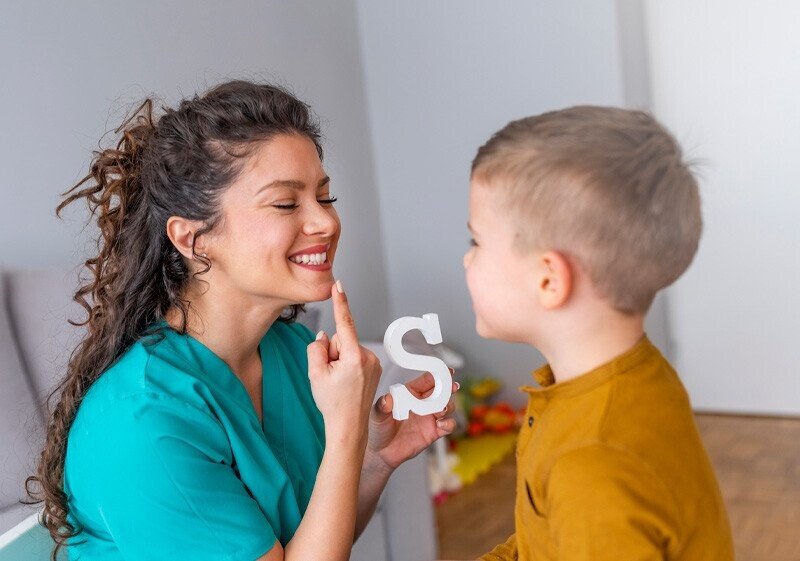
[
  {"x": 473, "y": 297},
  {"x": 481, "y": 328},
  {"x": 481, "y": 325}
]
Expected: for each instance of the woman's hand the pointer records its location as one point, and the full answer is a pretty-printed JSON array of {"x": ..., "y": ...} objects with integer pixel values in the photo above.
[
  {"x": 392, "y": 442},
  {"x": 344, "y": 375}
]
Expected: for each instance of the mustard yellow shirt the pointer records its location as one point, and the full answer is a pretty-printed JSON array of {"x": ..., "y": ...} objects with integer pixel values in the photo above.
[{"x": 610, "y": 466}]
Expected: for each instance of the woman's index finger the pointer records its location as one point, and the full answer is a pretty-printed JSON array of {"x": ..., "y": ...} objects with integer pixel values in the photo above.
[{"x": 345, "y": 325}]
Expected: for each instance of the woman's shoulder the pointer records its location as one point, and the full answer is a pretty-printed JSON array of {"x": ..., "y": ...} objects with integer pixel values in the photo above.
[
  {"x": 150, "y": 370},
  {"x": 142, "y": 399}
]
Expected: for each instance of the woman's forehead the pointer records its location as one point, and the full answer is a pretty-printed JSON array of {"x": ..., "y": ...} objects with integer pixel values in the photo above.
[{"x": 286, "y": 160}]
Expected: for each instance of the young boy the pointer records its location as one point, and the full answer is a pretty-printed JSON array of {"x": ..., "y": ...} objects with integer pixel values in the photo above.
[{"x": 578, "y": 218}]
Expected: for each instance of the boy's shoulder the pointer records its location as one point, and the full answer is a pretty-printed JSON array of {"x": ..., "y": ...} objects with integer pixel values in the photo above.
[
  {"x": 626, "y": 402},
  {"x": 626, "y": 439},
  {"x": 634, "y": 418}
]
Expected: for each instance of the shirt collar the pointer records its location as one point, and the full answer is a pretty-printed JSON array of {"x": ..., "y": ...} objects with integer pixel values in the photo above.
[{"x": 548, "y": 388}]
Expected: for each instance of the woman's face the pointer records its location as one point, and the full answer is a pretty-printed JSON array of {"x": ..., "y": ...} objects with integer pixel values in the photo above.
[{"x": 279, "y": 230}]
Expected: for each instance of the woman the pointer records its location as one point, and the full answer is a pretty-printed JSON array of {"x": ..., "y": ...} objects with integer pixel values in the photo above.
[{"x": 196, "y": 420}]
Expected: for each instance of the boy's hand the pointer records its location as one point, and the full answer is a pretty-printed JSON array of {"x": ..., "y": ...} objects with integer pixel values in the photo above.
[{"x": 393, "y": 442}]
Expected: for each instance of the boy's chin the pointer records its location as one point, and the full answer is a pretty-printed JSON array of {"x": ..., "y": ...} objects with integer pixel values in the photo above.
[{"x": 487, "y": 331}]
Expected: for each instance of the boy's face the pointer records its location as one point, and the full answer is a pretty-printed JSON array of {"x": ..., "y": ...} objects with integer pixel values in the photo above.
[{"x": 501, "y": 280}]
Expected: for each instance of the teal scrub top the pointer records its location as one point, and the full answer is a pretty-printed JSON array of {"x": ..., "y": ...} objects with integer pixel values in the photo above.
[{"x": 166, "y": 458}]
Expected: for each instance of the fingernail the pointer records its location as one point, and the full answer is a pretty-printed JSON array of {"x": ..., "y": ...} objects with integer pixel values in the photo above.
[
  {"x": 441, "y": 423},
  {"x": 458, "y": 386},
  {"x": 339, "y": 287},
  {"x": 320, "y": 335}
]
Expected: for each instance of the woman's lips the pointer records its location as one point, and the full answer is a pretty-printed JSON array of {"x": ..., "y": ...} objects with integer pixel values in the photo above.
[
  {"x": 314, "y": 258},
  {"x": 311, "y": 250},
  {"x": 320, "y": 267}
]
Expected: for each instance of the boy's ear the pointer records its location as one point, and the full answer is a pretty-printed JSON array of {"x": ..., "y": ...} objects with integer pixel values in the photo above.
[
  {"x": 555, "y": 280},
  {"x": 181, "y": 232}
]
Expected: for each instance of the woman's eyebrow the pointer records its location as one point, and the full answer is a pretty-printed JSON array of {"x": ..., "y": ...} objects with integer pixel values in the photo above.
[{"x": 293, "y": 184}]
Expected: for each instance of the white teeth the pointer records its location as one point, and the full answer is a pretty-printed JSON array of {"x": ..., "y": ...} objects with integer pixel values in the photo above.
[{"x": 311, "y": 258}]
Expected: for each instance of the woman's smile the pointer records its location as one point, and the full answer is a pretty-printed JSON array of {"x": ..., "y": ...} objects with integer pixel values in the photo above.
[{"x": 314, "y": 258}]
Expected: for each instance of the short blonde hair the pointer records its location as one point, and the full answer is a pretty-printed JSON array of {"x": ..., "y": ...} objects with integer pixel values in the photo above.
[{"x": 607, "y": 187}]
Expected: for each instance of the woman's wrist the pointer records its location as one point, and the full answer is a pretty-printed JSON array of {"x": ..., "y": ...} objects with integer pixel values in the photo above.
[
  {"x": 345, "y": 438},
  {"x": 375, "y": 465}
]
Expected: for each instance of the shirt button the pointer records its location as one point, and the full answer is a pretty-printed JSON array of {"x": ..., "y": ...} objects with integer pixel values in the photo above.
[{"x": 530, "y": 421}]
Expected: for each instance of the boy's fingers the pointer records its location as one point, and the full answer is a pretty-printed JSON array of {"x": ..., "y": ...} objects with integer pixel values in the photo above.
[{"x": 345, "y": 325}]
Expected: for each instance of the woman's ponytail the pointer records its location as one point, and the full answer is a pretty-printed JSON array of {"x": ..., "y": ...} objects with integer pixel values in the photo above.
[{"x": 113, "y": 193}]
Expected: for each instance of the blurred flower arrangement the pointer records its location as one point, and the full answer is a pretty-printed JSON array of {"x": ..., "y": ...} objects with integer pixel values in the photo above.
[
  {"x": 477, "y": 413},
  {"x": 485, "y": 433}
]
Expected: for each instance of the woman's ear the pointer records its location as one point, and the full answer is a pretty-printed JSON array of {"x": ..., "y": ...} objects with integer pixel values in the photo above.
[
  {"x": 181, "y": 232},
  {"x": 555, "y": 280}
]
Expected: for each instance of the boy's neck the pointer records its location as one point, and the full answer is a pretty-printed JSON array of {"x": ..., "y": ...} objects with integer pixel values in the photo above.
[{"x": 577, "y": 351}]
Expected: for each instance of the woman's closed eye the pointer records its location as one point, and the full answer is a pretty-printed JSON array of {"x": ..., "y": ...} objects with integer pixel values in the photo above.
[
  {"x": 473, "y": 243},
  {"x": 293, "y": 205}
]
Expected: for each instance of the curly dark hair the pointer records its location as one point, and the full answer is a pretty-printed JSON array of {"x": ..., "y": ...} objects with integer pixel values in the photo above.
[{"x": 177, "y": 164}]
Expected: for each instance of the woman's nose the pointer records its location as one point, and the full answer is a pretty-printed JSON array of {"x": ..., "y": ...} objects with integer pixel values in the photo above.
[
  {"x": 467, "y": 259},
  {"x": 320, "y": 221}
]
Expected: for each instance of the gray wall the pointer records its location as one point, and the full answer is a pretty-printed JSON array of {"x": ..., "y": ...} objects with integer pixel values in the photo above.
[
  {"x": 71, "y": 69},
  {"x": 418, "y": 84},
  {"x": 441, "y": 77},
  {"x": 726, "y": 79}
]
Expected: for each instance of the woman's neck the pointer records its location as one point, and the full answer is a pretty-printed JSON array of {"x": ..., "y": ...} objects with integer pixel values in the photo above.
[{"x": 229, "y": 324}]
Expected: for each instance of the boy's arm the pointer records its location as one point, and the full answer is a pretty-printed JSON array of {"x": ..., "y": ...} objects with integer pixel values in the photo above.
[
  {"x": 504, "y": 552},
  {"x": 605, "y": 504}
]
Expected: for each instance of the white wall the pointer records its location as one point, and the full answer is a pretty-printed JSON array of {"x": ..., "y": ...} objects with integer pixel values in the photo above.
[
  {"x": 67, "y": 65},
  {"x": 441, "y": 77},
  {"x": 726, "y": 79}
]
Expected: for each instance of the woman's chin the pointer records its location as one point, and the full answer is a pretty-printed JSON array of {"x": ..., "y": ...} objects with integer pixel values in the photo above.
[{"x": 320, "y": 292}]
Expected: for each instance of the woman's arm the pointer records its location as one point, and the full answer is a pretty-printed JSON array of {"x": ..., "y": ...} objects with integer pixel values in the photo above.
[
  {"x": 393, "y": 442},
  {"x": 326, "y": 530},
  {"x": 344, "y": 377},
  {"x": 374, "y": 476}
]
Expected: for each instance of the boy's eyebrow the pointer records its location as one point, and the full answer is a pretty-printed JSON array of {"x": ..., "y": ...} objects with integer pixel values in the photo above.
[
  {"x": 469, "y": 227},
  {"x": 293, "y": 184}
]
